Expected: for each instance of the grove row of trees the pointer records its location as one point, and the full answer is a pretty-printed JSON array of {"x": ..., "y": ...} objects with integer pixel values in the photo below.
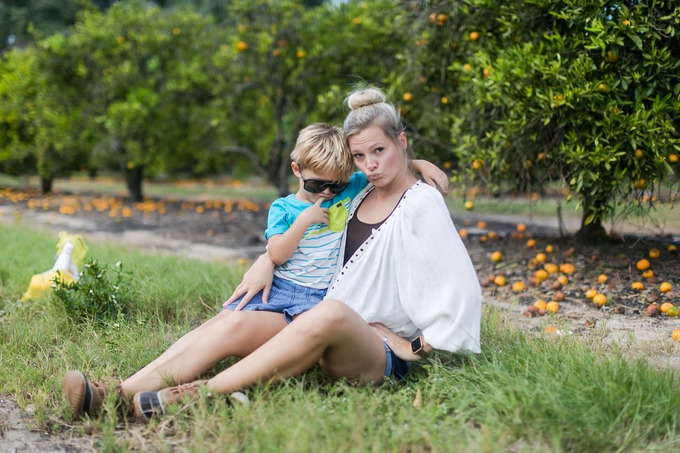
[{"x": 519, "y": 93}]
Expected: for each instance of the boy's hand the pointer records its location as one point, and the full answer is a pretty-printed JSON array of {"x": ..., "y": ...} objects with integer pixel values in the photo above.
[{"x": 314, "y": 214}]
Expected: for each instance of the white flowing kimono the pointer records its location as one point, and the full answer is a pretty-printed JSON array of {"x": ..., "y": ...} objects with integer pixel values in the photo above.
[{"x": 413, "y": 274}]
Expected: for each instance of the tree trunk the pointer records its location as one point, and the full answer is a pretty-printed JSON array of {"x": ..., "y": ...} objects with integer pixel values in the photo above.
[
  {"x": 133, "y": 178},
  {"x": 46, "y": 184},
  {"x": 592, "y": 233}
]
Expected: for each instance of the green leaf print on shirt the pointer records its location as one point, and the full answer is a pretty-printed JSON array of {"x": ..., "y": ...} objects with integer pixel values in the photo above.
[{"x": 337, "y": 216}]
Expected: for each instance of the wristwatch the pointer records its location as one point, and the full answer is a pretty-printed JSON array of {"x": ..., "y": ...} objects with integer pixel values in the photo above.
[{"x": 417, "y": 346}]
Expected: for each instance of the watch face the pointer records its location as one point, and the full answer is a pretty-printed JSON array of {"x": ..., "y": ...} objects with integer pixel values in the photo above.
[{"x": 416, "y": 344}]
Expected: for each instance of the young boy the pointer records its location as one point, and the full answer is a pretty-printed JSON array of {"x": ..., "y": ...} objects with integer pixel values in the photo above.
[{"x": 304, "y": 230}]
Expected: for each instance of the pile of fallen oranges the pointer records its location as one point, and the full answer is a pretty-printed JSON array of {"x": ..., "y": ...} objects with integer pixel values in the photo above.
[{"x": 550, "y": 273}]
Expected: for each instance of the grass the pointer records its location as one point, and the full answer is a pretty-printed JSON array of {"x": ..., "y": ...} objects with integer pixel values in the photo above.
[
  {"x": 114, "y": 185},
  {"x": 525, "y": 392},
  {"x": 661, "y": 217}
]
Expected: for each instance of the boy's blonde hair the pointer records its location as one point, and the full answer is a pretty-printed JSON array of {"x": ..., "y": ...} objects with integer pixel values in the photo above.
[{"x": 321, "y": 148}]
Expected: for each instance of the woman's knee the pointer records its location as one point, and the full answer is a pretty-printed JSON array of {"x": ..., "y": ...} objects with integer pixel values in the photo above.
[{"x": 328, "y": 316}]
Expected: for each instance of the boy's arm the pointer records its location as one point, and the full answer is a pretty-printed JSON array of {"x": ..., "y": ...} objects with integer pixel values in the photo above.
[
  {"x": 431, "y": 174},
  {"x": 282, "y": 246}
]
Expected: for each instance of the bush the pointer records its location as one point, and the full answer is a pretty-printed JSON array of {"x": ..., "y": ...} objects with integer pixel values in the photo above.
[{"x": 96, "y": 296}]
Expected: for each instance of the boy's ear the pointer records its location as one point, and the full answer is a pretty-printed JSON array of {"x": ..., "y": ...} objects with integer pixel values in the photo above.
[{"x": 296, "y": 169}]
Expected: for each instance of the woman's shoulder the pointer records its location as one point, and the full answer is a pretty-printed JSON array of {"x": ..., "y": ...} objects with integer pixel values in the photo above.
[{"x": 423, "y": 197}]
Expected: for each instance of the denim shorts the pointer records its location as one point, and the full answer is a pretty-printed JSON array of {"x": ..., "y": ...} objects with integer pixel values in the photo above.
[
  {"x": 284, "y": 297},
  {"x": 395, "y": 368}
]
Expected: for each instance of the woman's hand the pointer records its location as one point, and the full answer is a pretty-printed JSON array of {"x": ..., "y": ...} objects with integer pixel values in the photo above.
[
  {"x": 400, "y": 346},
  {"x": 258, "y": 277}
]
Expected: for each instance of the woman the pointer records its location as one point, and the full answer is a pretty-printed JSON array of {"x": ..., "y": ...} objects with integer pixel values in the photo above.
[{"x": 404, "y": 287}]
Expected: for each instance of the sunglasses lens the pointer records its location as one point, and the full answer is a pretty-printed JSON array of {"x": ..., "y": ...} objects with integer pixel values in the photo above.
[
  {"x": 314, "y": 186},
  {"x": 338, "y": 187}
]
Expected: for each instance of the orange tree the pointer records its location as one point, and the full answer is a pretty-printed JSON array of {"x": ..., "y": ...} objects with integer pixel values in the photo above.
[
  {"x": 143, "y": 86},
  {"x": 37, "y": 121},
  {"x": 286, "y": 65},
  {"x": 586, "y": 92}
]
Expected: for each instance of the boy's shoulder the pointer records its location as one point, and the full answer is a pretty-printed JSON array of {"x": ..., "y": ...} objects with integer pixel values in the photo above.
[{"x": 287, "y": 201}]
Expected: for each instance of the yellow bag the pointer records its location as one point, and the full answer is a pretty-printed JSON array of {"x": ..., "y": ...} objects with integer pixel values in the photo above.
[{"x": 71, "y": 250}]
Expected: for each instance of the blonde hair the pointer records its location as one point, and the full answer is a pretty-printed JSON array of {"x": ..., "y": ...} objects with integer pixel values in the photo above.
[
  {"x": 321, "y": 147},
  {"x": 369, "y": 107}
]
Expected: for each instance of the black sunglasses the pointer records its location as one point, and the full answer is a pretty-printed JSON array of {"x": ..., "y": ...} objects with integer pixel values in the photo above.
[{"x": 319, "y": 185}]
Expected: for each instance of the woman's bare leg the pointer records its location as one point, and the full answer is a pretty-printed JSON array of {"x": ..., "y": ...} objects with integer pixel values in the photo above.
[
  {"x": 227, "y": 334},
  {"x": 331, "y": 333}
]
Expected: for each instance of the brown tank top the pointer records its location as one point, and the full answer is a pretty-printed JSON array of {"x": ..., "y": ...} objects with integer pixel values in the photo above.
[{"x": 357, "y": 233}]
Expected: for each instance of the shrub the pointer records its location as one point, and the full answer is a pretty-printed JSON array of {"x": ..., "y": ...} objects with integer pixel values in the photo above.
[{"x": 96, "y": 296}]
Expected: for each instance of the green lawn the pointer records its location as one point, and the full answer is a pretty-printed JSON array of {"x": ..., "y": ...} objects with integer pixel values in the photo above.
[
  {"x": 662, "y": 215},
  {"x": 253, "y": 189},
  {"x": 525, "y": 392}
]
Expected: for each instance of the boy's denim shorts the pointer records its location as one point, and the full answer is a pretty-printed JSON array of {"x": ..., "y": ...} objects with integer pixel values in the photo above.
[
  {"x": 284, "y": 297},
  {"x": 395, "y": 368}
]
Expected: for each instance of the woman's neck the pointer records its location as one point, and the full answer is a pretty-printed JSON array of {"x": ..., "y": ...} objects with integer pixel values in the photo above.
[{"x": 397, "y": 187}]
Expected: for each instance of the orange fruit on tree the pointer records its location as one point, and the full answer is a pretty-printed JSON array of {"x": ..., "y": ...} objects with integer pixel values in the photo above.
[
  {"x": 541, "y": 257},
  {"x": 518, "y": 286},
  {"x": 276, "y": 52},
  {"x": 673, "y": 312},
  {"x": 477, "y": 164},
  {"x": 637, "y": 286},
  {"x": 496, "y": 257},
  {"x": 467, "y": 67},
  {"x": 474, "y": 36},
  {"x": 563, "y": 280},
  {"x": 540, "y": 303},
  {"x": 567, "y": 268},
  {"x": 550, "y": 268},
  {"x": 500, "y": 280},
  {"x": 541, "y": 274},
  {"x": 602, "y": 278},
  {"x": 445, "y": 100},
  {"x": 407, "y": 97},
  {"x": 665, "y": 306},
  {"x": 242, "y": 46},
  {"x": 486, "y": 72},
  {"x": 469, "y": 205},
  {"x": 591, "y": 293},
  {"x": 640, "y": 183},
  {"x": 549, "y": 248},
  {"x": 676, "y": 334},
  {"x": 673, "y": 158},
  {"x": 642, "y": 265},
  {"x": 531, "y": 243},
  {"x": 301, "y": 54},
  {"x": 639, "y": 154},
  {"x": 654, "y": 253},
  {"x": 665, "y": 287},
  {"x": 600, "y": 299},
  {"x": 552, "y": 307}
]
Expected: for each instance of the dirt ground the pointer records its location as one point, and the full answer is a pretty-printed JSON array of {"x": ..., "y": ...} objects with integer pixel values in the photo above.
[{"x": 230, "y": 231}]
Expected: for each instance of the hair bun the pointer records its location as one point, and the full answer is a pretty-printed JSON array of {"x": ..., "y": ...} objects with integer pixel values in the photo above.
[{"x": 363, "y": 98}]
